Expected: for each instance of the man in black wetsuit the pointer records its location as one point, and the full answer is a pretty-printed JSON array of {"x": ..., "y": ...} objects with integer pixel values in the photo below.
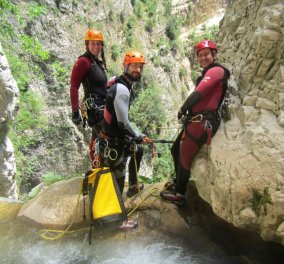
[{"x": 116, "y": 126}]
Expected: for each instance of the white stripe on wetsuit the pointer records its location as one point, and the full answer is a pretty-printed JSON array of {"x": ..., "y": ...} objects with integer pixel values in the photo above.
[{"x": 121, "y": 106}]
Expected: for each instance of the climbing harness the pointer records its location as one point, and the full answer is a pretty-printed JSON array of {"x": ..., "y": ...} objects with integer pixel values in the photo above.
[
  {"x": 90, "y": 103},
  {"x": 110, "y": 153},
  {"x": 102, "y": 151},
  {"x": 205, "y": 118}
]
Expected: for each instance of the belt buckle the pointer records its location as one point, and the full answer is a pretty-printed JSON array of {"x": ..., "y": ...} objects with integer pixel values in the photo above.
[{"x": 197, "y": 118}]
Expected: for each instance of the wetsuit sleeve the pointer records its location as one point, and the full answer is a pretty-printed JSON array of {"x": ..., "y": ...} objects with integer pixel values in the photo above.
[
  {"x": 191, "y": 100},
  {"x": 121, "y": 107},
  {"x": 210, "y": 80},
  {"x": 79, "y": 71}
]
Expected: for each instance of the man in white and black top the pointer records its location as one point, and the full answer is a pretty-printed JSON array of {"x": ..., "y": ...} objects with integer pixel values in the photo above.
[{"x": 116, "y": 124}]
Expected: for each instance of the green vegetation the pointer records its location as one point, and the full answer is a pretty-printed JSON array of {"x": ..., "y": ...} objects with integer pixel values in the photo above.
[
  {"x": 28, "y": 121},
  {"x": 27, "y": 129},
  {"x": 33, "y": 47},
  {"x": 26, "y": 133},
  {"x": 173, "y": 29},
  {"x": 114, "y": 68},
  {"x": 260, "y": 200},
  {"x": 9, "y": 6},
  {"x": 168, "y": 67},
  {"x": 144, "y": 8},
  {"x": 115, "y": 52},
  {"x": 34, "y": 192},
  {"x": 147, "y": 110},
  {"x": 59, "y": 71},
  {"x": 51, "y": 177},
  {"x": 194, "y": 75},
  {"x": 182, "y": 72},
  {"x": 209, "y": 33},
  {"x": 23, "y": 76},
  {"x": 129, "y": 31},
  {"x": 35, "y": 10},
  {"x": 149, "y": 116},
  {"x": 163, "y": 167}
]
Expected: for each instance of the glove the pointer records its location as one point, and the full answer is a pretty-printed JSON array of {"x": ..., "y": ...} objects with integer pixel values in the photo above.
[
  {"x": 76, "y": 118},
  {"x": 147, "y": 140},
  {"x": 179, "y": 115},
  {"x": 139, "y": 139}
]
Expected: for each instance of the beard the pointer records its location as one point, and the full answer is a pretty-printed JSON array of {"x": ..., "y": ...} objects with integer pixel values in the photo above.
[{"x": 134, "y": 78}]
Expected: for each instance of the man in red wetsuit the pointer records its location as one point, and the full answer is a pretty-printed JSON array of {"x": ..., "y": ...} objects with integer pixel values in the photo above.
[
  {"x": 200, "y": 116},
  {"x": 90, "y": 71}
]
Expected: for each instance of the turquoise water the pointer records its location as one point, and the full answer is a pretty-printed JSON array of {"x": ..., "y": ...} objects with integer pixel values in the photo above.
[{"x": 21, "y": 243}]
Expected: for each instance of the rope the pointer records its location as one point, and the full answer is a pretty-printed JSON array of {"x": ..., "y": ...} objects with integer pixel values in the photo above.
[
  {"x": 44, "y": 232},
  {"x": 152, "y": 192},
  {"x": 47, "y": 233}
]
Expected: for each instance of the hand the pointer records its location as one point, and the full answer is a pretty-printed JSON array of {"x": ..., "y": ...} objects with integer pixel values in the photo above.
[
  {"x": 76, "y": 118},
  {"x": 139, "y": 139},
  {"x": 179, "y": 115},
  {"x": 111, "y": 81},
  {"x": 147, "y": 140}
]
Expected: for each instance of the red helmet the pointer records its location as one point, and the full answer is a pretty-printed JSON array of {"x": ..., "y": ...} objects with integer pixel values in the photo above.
[{"x": 205, "y": 44}]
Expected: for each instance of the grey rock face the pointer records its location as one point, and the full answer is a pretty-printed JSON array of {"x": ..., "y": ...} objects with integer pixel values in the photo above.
[
  {"x": 242, "y": 174},
  {"x": 8, "y": 92}
]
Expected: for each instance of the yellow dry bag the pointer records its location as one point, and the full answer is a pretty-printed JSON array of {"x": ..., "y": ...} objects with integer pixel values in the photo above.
[{"x": 106, "y": 203}]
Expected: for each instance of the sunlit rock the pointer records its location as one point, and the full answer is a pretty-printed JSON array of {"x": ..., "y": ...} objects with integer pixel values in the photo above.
[
  {"x": 241, "y": 174},
  {"x": 8, "y": 93}
]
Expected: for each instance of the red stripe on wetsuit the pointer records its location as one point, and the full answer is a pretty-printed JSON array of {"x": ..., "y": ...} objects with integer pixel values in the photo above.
[{"x": 79, "y": 72}]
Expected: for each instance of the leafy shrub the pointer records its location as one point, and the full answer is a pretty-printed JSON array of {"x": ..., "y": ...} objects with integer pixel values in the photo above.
[
  {"x": 168, "y": 67},
  {"x": 147, "y": 111},
  {"x": 194, "y": 75},
  {"x": 173, "y": 29},
  {"x": 35, "y": 10},
  {"x": 163, "y": 165},
  {"x": 23, "y": 76},
  {"x": 182, "y": 72},
  {"x": 8, "y": 5},
  {"x": 60, "y": 72},
  {"x": 28, "y": 122},
  {"x": 156, "y": 60},
  {"x": 34, "y": 192},
  {"x": 115, "y": 52},
  {"x": 33, "y": 47},
  {"x": 260, "y": 200},
  {"x": 51, "y": 177}
]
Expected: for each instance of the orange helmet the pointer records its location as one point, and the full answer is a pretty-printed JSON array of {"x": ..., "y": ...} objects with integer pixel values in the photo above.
[
  {"x": 94, "y": 35},
  {"x": 133, "y": 57}
]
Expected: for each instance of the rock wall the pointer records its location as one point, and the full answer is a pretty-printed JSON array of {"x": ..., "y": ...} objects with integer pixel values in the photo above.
[
  {"x": 8, "y": 93},
  {"x": 241, "y": 175}
]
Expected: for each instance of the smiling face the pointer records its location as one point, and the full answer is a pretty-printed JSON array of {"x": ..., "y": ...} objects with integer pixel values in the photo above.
[
  {"x": 205, "y": 57},
  {"x": 134, "y": 70},
  {"x": 95, "y": 47}
]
